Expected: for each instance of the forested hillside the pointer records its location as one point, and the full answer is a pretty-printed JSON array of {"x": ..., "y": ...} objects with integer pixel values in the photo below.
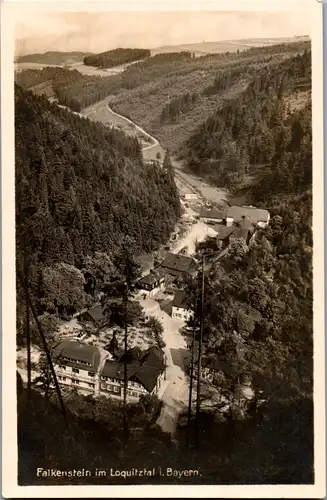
[
  {"x": 157, "y": 84},
  {"x": 116, "y": 57},
  {"x": 258, "y": 131},
  {"x": 81, "y": 188},
  {"x": 53, "y": 57}
]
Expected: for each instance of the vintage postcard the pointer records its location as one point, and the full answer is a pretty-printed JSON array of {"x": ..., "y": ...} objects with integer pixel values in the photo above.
[{"x": 163, "y": 280}]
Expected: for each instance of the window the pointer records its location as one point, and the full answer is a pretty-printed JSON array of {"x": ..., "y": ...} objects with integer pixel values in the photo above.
[
  {"x": 91, "y": 385},
  {"x": 75, "y": 370},
  {"x": 91, "y": 374},
  {"x": 63, "y": 378},
  {"x": 62, "y": 367},
  {"x": 76, "y": 382},
  {"x": 134, "y": 393},
  {"x": 103, "y": 378},
  {"x": 103, "y": 386},
  {"x": 116, "y": 389}
]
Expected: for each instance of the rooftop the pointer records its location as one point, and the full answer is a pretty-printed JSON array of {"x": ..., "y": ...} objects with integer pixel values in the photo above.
[
  {"x": 253, "y": 214},
  {"x": 77, "y": 353},
  {"x": 178, "y": 262},
  {"x": 224, "y": 232},
  {"x": 152, "y": 278},
  {"x": 212, "y": 213},
  {"x": 146, "y": 371},
  {"x": 96, "y": 313},
  {"x": 180, "y": 300}
]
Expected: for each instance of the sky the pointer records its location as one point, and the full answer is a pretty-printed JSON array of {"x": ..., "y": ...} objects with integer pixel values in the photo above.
[{"x": 100, "y": 31}]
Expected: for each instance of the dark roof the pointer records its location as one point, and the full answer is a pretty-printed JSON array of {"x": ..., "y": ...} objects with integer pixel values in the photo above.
[
  {"x": 254, "y": 214},
  {"x": 177, "y": 262},
  {"x": 224, "y": 232},
  {"x": 148, "y": 376},
  {"x": 154, "y": 357},
  {"x": 212, "y": 213},
  {"x": 115, "y": 369},
  {"x": 180, "y": 300},
  {"x": 145, "y": 371},
  {"x": 152, "y": 278},
  {"x": 241, "y": 232},
  {"x": 96, "y": 313},
  {"x": 78, "y": 353}
]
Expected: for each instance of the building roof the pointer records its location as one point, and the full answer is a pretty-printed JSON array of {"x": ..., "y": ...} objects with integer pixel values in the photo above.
[
  {"x": 212, "y": 213},
  {"x": 178, "y": 263},
  {"x": 96, "y": 313},
  {"x": 180, "y": 300},
  {"x": 224, "y": 232},
  {"x": 254, "y": 214},
  {"x": 77, "y": 353},
  {"x": 145, "y": 371},
  {"x": 115, "y": 369},
  {"x": 241, "y": 232},
  {"x": 148, "y": 376},
  {"x": 152, "y": 278},
  {"x": 154, "y": 357}
]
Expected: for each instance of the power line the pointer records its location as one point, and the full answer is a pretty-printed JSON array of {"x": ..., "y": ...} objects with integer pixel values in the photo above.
[
  {"x": 47, "y": 352},
  {"x": 197, "y": 422}
]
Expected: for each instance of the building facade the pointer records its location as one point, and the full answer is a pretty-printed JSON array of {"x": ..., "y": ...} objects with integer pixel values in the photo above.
[
  {"x": 180, "y": 308},
  {"x": 77, "y": 365}
]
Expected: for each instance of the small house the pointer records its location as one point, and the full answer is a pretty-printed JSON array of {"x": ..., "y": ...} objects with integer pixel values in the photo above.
[
  {"x": 178, "y": 265},
  {"x": 151, "y": 283},
  {"x": 180, "y": 307},
  {"x": 94, "y": 315},
  {"x": 190, "y": 196}
]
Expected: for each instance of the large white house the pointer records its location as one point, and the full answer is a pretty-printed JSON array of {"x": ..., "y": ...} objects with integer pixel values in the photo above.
[
  {"x": 257, "y": 216},
  {"x": 77, "y": 364}
]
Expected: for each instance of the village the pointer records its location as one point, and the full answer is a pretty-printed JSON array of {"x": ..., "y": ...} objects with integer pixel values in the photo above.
[{"x": 89, "y": 356}]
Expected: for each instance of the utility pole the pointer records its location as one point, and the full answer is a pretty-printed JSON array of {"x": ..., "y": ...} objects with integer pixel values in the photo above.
[
  {"x": 27, "y": 325},
  {"x": 197, "y": 428},
  {"x": 47, "y": 352},
  {"x": 125, "y": 361},
  {"x": 189, "y": 413}
]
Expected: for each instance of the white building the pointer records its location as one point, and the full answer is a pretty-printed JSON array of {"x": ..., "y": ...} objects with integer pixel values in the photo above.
[
  {"x": 180, "y": 308},
  {"x": 257, "y": 216},
  {"x": 77, "y": 364},
  {"x": 190, "y": 196}
]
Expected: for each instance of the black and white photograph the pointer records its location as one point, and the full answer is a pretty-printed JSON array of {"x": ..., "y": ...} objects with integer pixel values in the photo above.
[{"x": 166, "y": 317}]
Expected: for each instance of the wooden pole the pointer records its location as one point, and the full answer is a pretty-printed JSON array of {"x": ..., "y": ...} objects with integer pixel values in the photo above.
[
  {"x": 197, "y": 428},
  {"x": 47, "y": 352},
  {"x": 189, "y": 413},
  {"x": 27, "y": 327},
  {"x": 125, "y": 365}
]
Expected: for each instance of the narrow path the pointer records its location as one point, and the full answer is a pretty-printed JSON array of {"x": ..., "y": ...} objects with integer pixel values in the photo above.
[{"x": 140, "y": 129}]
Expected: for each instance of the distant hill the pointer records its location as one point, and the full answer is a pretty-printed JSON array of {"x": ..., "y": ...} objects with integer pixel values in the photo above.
[
  {"x": 116, "y": 57},
  {"x": 200, "y": 49},
  {"x": 53, "y": 57}
]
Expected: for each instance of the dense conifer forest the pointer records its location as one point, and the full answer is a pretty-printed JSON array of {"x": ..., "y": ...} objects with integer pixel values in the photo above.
[
  {"x": 116, "y": 57},
  {"x": 53, "y": 57},
  {"x": 81, "y": 188},
  {"x": 258, "y": 131}
]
